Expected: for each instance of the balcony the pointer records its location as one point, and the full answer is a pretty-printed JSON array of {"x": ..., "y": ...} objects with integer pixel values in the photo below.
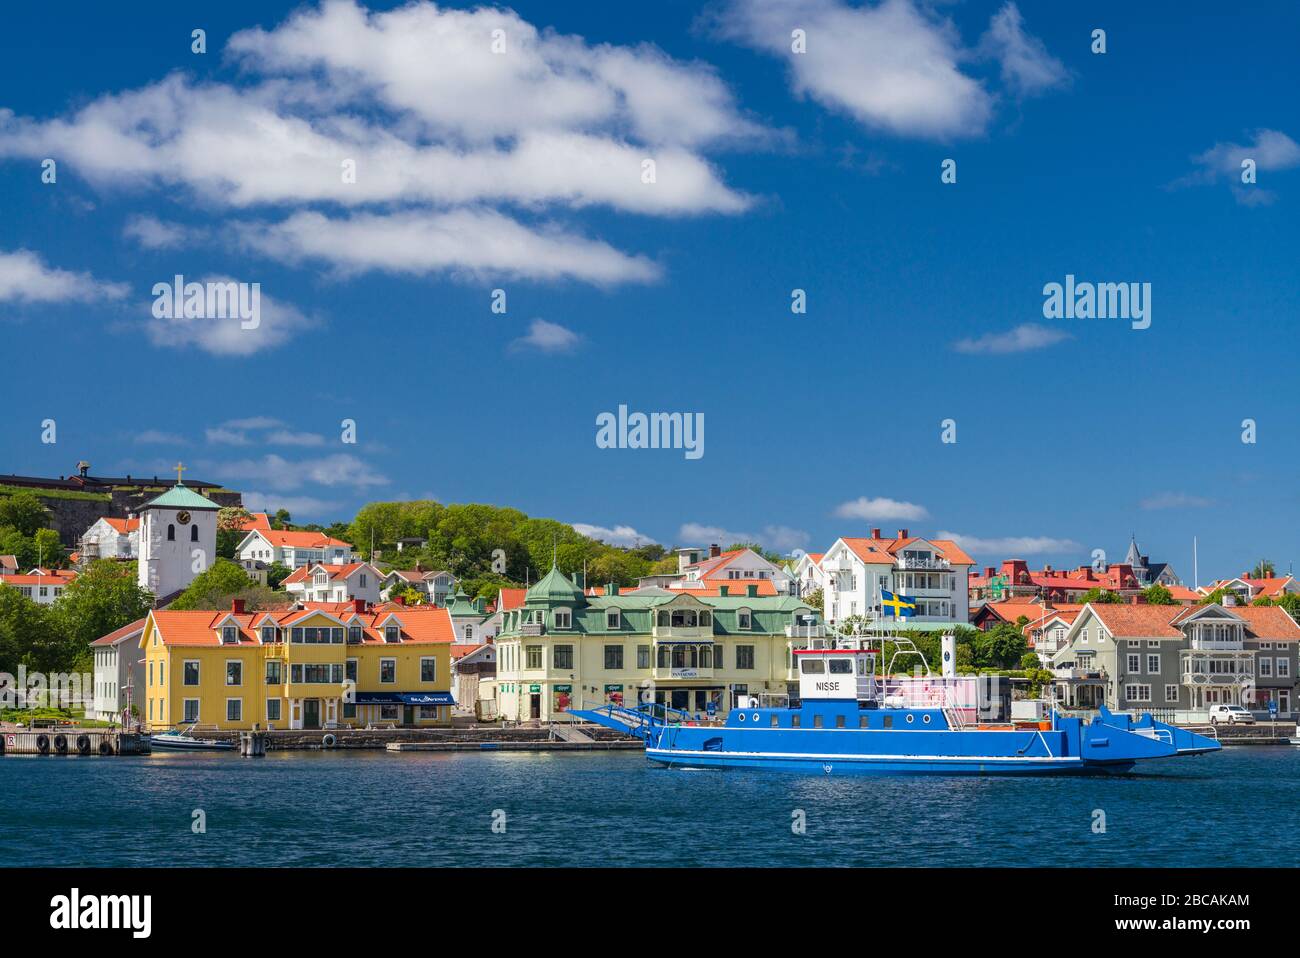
[
  {"x": 1218, "y": 678},
  {"x": 925, "y": 565},
  {"x": 805, "y": 631},
  {"x": 532, "y": 629}
]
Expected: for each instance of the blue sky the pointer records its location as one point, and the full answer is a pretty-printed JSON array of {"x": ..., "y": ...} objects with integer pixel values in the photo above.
[{"x": 775, "y": 171}]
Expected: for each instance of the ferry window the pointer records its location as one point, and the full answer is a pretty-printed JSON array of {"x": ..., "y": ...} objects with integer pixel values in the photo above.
[
  {"x": 862, "y": 721},
  {"x": 910, "y": 718},
  {"x": 775, "y": 721},
  {"x": 839, "y": 721},
  {"x": 794, "y": 721},
  {"x": 812, "y": 666},
  {"x": 889, "y": 721},
  {"x": 817, "y": 721},
  {"x": 841, "y": 666},
  {"x": 925, "y": 719}
]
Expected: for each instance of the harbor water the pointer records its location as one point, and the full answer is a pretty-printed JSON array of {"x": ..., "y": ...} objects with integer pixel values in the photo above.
[{"x": 1237, "y": 807}]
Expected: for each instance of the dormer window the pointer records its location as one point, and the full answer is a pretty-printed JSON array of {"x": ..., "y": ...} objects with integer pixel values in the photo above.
[
  {"x": 392, "y": 633},
  {"x": 744, "y": 619},
  {"x": 229, "y": 635},
  {"x": 612, "y": 619},
  {"x": 269, "y": 634},
  {"x": 354, "y": 635},
  {"x": 562, "y": 618}
]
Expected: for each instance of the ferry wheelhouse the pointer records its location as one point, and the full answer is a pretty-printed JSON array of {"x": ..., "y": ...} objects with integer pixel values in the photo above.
[{"x": 854, "y": 717}]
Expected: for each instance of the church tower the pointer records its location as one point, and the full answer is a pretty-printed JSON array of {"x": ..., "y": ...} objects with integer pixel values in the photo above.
[{"x": 178, "y": 539}]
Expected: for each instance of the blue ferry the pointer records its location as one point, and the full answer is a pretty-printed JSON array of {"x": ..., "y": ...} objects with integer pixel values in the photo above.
[{"x": 845, "y": 723}]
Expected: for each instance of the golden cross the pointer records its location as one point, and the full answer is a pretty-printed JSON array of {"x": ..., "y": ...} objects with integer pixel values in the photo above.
[{"x": 179, "y": 469}]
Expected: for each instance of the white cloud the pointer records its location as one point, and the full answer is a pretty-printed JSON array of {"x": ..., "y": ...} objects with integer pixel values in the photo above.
[
  {"x": 285, "y": 437},
  {"x": 617, "y": 536},
  {"x": 222, "y": 436},
  {"x": 159, "y": 438},
  {"x": 1023, "y": 338},
  {"x": 1272, "y": 150},
  {"x": 1175, "y": 500},
  {"x": 339, "y": 469},
  {"x": 441, "y": 131},
  {"x": 298, "y": 506},
  {"x": 780, "y": 538},
  {"x": 547, "y": 337},
  {"x": 474, "y": 242},
  {"x": 879, "y": 508},
  {"x": 1011, "y": 546},
  {"x": 253, "y": 422},
  {"x": 889, "y": 66},
  {"x": 152, "y": 233},
  {"x": 24, "y": 278},
  {"x": 1027, "y": 67},
  {"x": 278, "y": 322}
]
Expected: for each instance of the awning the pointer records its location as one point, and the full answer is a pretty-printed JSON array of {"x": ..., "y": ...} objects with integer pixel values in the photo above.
[{"x": 405, "y": 698}]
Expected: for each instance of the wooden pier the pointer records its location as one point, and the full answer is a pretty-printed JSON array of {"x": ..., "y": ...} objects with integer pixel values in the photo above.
[{"x": 62, "y": 741}]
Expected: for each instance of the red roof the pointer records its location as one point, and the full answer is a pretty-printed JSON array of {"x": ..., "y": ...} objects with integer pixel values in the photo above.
[
  {"x": 122, "y": 526},
  {"x": 511, "y": 599},
  {"x": 419, "y": 625},
  {"x": 459, "y": 651},
  {"x": 335, "y": 571},
  {"x": 299, "y": 540},
  {"x": 885, "y": 551},
  {"x": 714, "y": 587},
  {"x": 118, "y": 635},
  {"x": 257, "y": 520},
  {"x": 47, "y": 579}
]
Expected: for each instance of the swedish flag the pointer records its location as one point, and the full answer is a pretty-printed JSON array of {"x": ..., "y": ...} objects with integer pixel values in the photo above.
[{"x": 897, "y": 606}]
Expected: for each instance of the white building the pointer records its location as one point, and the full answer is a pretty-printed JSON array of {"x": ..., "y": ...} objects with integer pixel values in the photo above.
[
  {"x": 808, "y": 573},
  {"x": 931, "y": 571},
  {"x": 293, "y": 549},
  {"x": 42, "y": 586},
  {"x": 111, "y": 538},
  {"x": 178, "y": 540},
  {"x": 335, "y": 583},
  {"x": 119, "y": 663},
  {"x": 719, "y": 568},
  {"x": 435, "y": 586}
]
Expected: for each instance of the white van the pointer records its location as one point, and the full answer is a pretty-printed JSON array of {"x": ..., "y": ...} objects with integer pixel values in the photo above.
[{"x": 1230, "y": 714}]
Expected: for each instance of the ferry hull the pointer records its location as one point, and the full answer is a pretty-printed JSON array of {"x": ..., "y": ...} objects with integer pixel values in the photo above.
[{"x": 882, "y": 765}]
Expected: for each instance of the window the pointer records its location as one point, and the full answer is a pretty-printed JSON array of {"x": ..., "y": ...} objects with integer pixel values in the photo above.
[
  {"x": 744, "y": 619},
  {"x": 1265, "y": 666},
  {"x": 612, "y": 619},
  {"x": 229, "y": 635},
  {"x": 354, "y": 634},
  {"x": 350, "y": 670},
  {"x": 841, "y": 666},
  {"x": 744, "y": 657},
  {"x": 388, "y": 712},
  {"x": 269, "y": 634},
  {"x": 643, "y": 656},
  {"x": 191, "y": 710},
  {"x": 1283, "y": 668},
  {"x": 194, "y": 533},
  {"x": 613, "y": 657},
  {"x": 392, "y": 633},
  {"x": 234, "y": 672},
  {"x": 273, "y": 710},
  {"x": 1153, "y": 664},
  {"x": 533, "y": 655},
  {"x": 817, "y": 721},
  {"x": 469, "y": 633},
  {"x": 812, "y": 666},
  {"x": 428, "y": 670},
  {"x": 1135, "y": 663},
  {"x": 191, "y": 676},
  {"x": 349, "y": 710},
  {"x": 171, "y": 533},
  {"x": 388, "y": 671},
  {"x": 1137, "y": 693},
  {"x": 234, "y": 710},
  {"x": 1171, "y": 693},
  {"x": 274, "y": 671},
  {"x": 839, "y": 721},
  {"x": 563, "y": 657},
  {"x": 363, "y": 580},
  {"x": 563, "y": 618}
]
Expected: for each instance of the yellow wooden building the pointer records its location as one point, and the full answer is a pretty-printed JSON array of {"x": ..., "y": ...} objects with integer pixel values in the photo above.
[{"x": 321, "y": 665}]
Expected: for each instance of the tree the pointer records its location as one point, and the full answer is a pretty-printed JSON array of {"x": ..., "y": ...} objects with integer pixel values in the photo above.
[
  {"x": 48, "y": 548},
  {"x": 1099, "y": 595},
  {"x": 1263, "y": 570},
  {"x": 276, "y": 573},
  {"x": 1157, "y": 594},
  {"x": 1029, "y": 661},
  {"x": 103, "y": 598},
  {"x": 230, "y": 529},
  {"x": 24, "y": 512},
  {"x": 281, "y": 519},
  {"x": 224, "y": 581},
  {"x": 1291, "y": 602},
  {"x": 1002, "y": 646},
  {"x": 1217, "y": 596},
  {"x": 815, "y": 599}
]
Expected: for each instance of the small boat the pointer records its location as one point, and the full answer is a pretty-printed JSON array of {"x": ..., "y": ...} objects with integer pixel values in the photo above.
[
  {"x": 846, "y": 722},
  {"x": 184, "y": 741}
]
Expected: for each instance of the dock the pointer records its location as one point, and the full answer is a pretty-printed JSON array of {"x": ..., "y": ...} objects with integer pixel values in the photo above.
[{"x": 71, "y": 741}]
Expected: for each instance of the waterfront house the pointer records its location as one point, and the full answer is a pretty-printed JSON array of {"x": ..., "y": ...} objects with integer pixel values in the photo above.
[
  {"x": 696, "y": 652},
  {"x": 324, "y": 665},
  {"x": 334, "y": 583},
  {"x": 111, "y": 538},
  {"x": 119, "y": 673},
  {"x": 435, "y": 586},
  {"x": 1248, "y": 589},
  {"x": 807, "y": 572},
  {"x": 1175, "y": 658},
  {"x": 469, "y": 618},
  {"x": 293, "y": 549},
  {"x": 720, "y": 567},
  {"x": 934, "y": 572},
  {"x": 473, "y": 667}
]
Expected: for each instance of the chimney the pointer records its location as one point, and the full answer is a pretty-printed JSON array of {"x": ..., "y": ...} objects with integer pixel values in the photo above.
[
  {"x": 902, "y": 533},
  {"x": 358, "y": 605},
  {"x": 714, "y": 551},
  {"x": 400, "y": 599},
  {"x": 875, "y": 533},
  {"x": 989, "y": 572},
  {"x": 237, "y": 606}
]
